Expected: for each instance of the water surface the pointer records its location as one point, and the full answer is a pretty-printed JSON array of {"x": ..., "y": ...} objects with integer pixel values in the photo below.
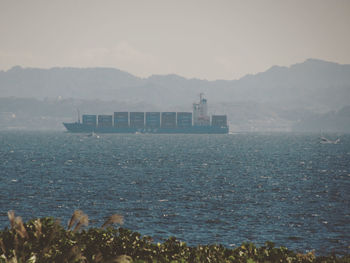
[{"x": 228, "y": 189}]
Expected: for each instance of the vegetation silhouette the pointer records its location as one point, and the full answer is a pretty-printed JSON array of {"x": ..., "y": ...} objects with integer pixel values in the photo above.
[{"x": 46, "y": 240}]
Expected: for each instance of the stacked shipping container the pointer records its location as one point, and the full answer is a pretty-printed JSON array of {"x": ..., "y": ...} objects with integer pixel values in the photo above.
[
  {"x": 105, "y": 120},
  {"x": 137, "y": 120},
  {"x": 121, "y": 119},
  {"x": 184, "y": 119},
  {"x": 90, "y": 120},
  {"x": 168, "y": 120},
  {"x": 219, "y": 121},
  {"x": 152, "y": 119}
]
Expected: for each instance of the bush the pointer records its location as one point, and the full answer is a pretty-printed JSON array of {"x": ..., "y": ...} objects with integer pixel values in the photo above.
[{"x": 46, "y": 240}]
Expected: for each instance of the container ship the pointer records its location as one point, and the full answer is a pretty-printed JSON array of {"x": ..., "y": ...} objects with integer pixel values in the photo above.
[{"x": 196, "y": 122}]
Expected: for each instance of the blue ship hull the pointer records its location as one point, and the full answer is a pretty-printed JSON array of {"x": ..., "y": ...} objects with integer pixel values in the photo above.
[{"x": 81, "y": 128}]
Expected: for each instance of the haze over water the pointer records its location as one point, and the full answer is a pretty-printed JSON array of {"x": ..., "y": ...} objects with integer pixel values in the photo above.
[{"x": 228, "y": 189}]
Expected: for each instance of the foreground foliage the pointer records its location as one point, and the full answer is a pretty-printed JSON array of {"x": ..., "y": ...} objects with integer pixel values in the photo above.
[{"x": 46, "y": 240}]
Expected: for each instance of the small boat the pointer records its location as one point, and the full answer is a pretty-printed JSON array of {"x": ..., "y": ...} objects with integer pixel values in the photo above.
[{"x": 324, "y": 140}]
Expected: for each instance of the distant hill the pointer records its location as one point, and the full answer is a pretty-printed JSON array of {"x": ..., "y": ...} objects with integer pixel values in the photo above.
[
  {"x": 276, "y": 99},
  {"x": 313, "y": 83}
]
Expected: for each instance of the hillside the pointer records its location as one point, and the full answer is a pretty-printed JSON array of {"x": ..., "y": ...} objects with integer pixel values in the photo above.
[{"x": 276, "y": 99}]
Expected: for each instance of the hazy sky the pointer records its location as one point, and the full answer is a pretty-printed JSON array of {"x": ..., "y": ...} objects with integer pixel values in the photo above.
[{"x": 215, "y": 39}]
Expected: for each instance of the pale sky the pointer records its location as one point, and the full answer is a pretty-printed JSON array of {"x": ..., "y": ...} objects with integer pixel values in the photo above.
[{"x": 217, "y": 39}]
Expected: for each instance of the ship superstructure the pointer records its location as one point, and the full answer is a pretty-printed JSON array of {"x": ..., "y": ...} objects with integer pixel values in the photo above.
[
  {"x": 195, "y": 122},
  {"x": 200, "y": 112}
]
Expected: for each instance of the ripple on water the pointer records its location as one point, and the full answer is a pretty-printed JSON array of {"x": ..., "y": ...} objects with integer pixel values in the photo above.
[{"x": 285, "y": 188}]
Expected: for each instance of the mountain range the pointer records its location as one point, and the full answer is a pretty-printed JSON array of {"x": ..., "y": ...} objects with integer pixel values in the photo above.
[{"x": 281, "y": 98}]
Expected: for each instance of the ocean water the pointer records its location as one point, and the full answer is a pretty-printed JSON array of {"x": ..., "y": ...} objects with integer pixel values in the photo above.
[{"x": 203, "y": 189}]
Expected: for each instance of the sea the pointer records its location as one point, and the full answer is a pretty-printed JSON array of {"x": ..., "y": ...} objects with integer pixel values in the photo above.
[{"x": 287, "y": 188}]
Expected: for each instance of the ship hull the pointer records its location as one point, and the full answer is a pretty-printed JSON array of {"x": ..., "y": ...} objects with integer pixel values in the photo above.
[{"x": 81, "y": 128}]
